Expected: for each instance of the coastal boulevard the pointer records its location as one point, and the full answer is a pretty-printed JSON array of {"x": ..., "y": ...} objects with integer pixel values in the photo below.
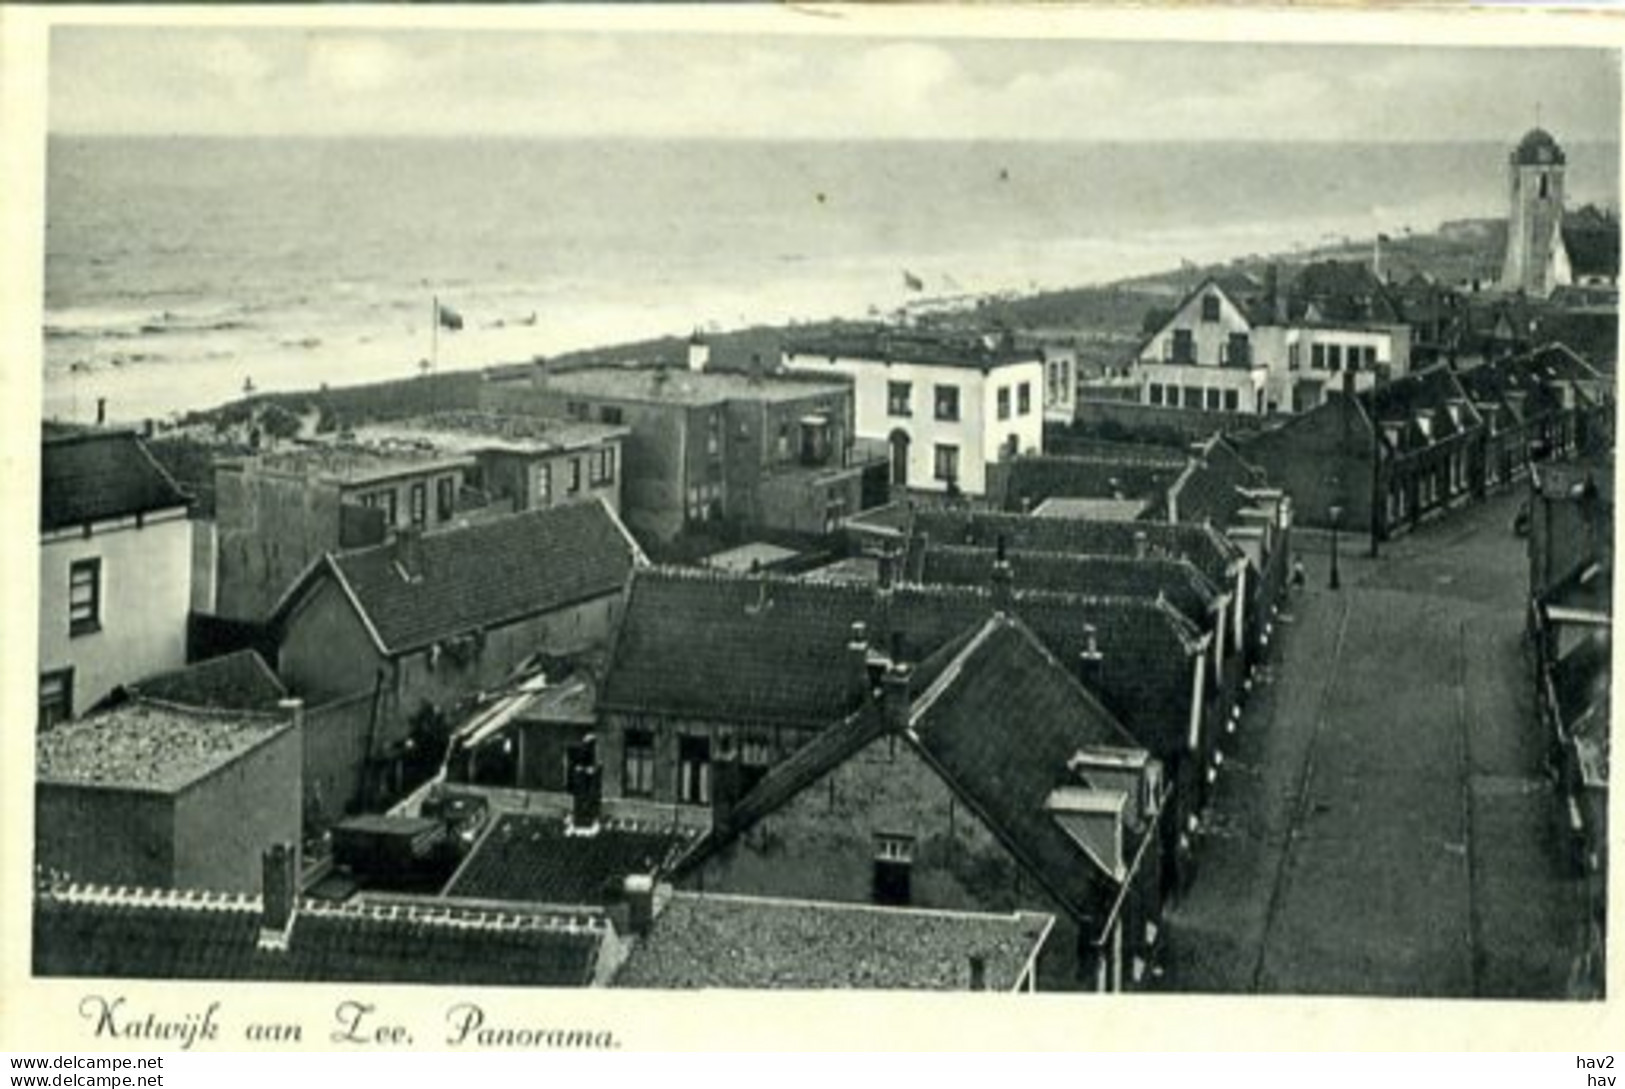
[{"x": 1382, "y": 824}]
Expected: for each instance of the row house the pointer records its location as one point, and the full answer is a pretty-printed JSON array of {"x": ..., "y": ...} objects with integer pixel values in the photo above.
[
  {"x": 1001, "y": 785},
  {"x": 394, "y": 641},
  {"x": 115, "y": 569},
  {"x": 1276, "y": 350},
  {"x": 946, "y": 407},
  {"x": 759, "y": 449},
  {"x": 773, "y": 673},
  {"x": 1571, "y": 520}
]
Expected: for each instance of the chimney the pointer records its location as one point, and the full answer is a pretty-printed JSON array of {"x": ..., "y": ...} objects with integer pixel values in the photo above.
[
  {"x": 1142, "y": 544},
  {"x": 101, "y": 411},
  {"x": 586, "y": 781},
  {"x": 699, "y": 353},
  {"x": 1273, "y": 295},
  {"x": 1091, "y": 661},
  {"x": 1004, "y": 578},
  {"x": 639, "y": 889},
  {"x": 726, "y": 787},
  {"x": 279, "y": 894},
  {"x": 978, "y": 971},
  {"x": 408, "y": 552},
  {"x": 897, "y": 695},
  {"x": 888, "y": 568},
  {"x": 857, "y": 655}
]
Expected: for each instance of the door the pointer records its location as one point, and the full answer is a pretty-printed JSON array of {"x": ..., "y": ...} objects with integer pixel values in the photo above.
[{"x": 899, "y": 458}]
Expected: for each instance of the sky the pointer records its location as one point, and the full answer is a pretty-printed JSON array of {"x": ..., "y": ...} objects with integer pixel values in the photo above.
[{"x": 282, "y": 81}]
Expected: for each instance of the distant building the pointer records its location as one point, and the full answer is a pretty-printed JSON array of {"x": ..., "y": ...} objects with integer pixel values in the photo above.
[
  {"x": 115, "y": 574},
  {"x": 1548, "y": 248},
  {"x": 759, "y": 450},
  {"x": 524, "y": 462},
  {"x": 947, "y": 407},
  {"x": 159, "y": 795},
  {"x": 276, "y": 513},
  {"x": 1276, "y": 350}
]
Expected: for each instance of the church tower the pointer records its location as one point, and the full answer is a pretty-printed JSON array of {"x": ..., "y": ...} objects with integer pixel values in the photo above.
[{"x": 1536, "y": 260}]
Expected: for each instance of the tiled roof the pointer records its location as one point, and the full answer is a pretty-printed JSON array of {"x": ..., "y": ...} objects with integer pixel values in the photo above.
[
  {"x": 98, "y": 475},
  {"x": 1028, "y": 481},
  {"x": 1209, "y": 550},
  {"x": 150, "y": 746},
  {"x": 1210, "y": 489},
  {"x": 1001, "y": 729},
  {"x": 1341, "y": 291},
  {"x": 1184, "y": 587},
  {"x": 238, "y": 681},
  {"x": 537, "y": 859},
  {"x": 775, "y": 650},
  {"x": 1431, "y": 390},
  {"x": 487, "y": 574},
  {"x": 893, "y": 345},
  {"x": 705, "y": 940},
  {"x": 169, "y": 935}
]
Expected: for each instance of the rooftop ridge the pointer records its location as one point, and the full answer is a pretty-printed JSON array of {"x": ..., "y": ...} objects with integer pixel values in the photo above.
[{"x": 854, "y": 906}]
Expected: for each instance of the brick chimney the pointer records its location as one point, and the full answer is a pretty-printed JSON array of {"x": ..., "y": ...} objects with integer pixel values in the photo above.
[
  {"x": 1004, "y": 578},
  {"x": 887, "y": 568},
  {"x": 857, "y": 658},
  {"x": 279, "y": 894},
  {"x": 639, "y": 890},
  {"x": 1091, "y": 662},
  {"x": 978, "y": 971},
  {"x": 699, "y": 353},
  {"x": 727, "y": 785},
  {"x": 586, "y": 780},
  {"x": 897, "y": 687},
  {"x": 1142, "y": 544}
]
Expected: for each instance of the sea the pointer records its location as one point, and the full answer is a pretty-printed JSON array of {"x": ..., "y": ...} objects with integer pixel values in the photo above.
[{"x": 182, "y": 270}]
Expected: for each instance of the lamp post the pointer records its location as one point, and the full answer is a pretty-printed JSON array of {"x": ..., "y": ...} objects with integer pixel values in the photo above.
[{"x": 1336, "y": 514}]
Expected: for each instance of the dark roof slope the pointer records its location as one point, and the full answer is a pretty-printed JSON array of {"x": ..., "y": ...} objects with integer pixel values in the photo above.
[
  {"x": 486, "y": 575},
  {"x": 1342, "y": 291},
  {"x": 1209, "y": 550},
  {"x": 238, "y": 681},
  {"x": 1176, "y": 580},
  {"x": 169, "y": 935},
  {"x": 1211, "y": 488},
  {"x": 537, "y": 859},
  {"x": 98, "y": 475}
]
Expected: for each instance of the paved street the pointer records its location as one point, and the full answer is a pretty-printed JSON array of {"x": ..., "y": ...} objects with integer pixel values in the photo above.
[{"x": 1382, "y": 824}]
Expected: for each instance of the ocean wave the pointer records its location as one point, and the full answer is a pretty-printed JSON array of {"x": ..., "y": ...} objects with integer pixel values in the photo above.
[{"x": 126, "y": 325}]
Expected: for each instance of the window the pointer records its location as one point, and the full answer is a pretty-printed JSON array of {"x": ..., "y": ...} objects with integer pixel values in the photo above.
[
  {"x": 947, "y": 398},
  {"x": 1232, "y": 401},
  {"x": 1184, "y": 346},
  {"x": 1294, "y": 357},
  {"x": 544, "y": 485},
  {"x": 420, "y": 503},
  {"x": 1371, "y": 358},
  {"x": 1213, "y": 400},
  {"x": 755, "y": 757},
  {"x": 55, "y": 697},
  {"x": 1240, "y": 353},
  {"x": 1004, "y": 402},
  {"x": 1545, "y": 186},
  {"x": 713, "y": 434},
  {"x": 638, "y": 764},
  {"x": 391, "y": 507},
  {"x": 1155, "y": 393},
  {"x": 947, "y": 463},
  {"x": 85, "y": 597},
  {"x": 1334, "y": 357},
  {"x": 894, "y": 863},
  {"x": 1210, "y": 308},
  {"x": 694, "y": 770},
  {"x": 611, "y": 414},
  {"x": 1193, "y": 397},
  {"x": 601, "y": 465},
  {"x": 1317, "y": 357},
  {"x": 578, "y": 410},
  {"x": 445, "y": 497},
  {"x": 1024, "y": 398},
  {"x": 575, "y": 475},
  {"x": 899, "y": 398}
]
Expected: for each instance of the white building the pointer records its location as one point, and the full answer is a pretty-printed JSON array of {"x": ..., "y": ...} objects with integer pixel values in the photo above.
[
  {"x": 115, "y": 569},
  {"x": 1273, "y": 353},
  {"x": 946, "y": 407}
]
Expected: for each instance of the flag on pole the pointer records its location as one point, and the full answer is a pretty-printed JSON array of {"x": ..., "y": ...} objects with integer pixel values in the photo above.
[{"x": 448, "y": 318}]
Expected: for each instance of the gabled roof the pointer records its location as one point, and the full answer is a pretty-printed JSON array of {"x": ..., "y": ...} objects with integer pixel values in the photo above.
[
  {"x": 98, "y": 932},
  {"x": 1175, "y": 580},
  {"x": 237, "y": 681},
  {"x": 540, "y": 859},
  {"x": 1425, "y": 395},
  {"x": 1210, "y": 551},
  {"x": 477, "y": 577},
  {"x": 94, "y": 476},
  {"x": 709, "y": 940},
  {"x": 1210, "y": 488},
  {"x": 1341, "y": 291},
  {"x": 998, "y": 724},
  {"x": 775, "y": 650}
]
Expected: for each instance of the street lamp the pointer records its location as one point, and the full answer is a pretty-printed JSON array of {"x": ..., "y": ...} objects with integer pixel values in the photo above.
[{"x": 1336, "y": 514}]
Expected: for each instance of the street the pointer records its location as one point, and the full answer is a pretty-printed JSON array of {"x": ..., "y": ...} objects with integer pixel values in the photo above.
[{"x": 1382, "y": 824}]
